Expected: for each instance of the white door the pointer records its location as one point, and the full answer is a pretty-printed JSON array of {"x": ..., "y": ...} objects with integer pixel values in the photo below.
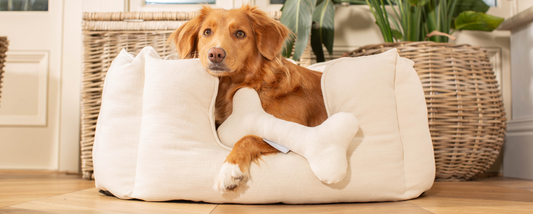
[{"x": 31, "y": 102}]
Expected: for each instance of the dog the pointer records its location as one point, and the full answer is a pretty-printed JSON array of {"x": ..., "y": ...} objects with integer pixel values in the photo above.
[{"x": 242, "y": 47}]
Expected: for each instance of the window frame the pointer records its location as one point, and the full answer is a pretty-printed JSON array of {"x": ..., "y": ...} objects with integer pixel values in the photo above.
[
  {"x": 266, "y": 6},
  {"x": 140, "y": 5}
]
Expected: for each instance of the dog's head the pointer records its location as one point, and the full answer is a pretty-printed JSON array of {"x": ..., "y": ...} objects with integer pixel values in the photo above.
[{"x": 227, "y": 41}]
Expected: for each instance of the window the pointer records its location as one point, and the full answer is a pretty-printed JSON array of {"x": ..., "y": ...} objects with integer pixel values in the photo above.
[
  {"x": 277, "y": 1},
  {"x": 23, "y": 5},
  {"x": 176, "y": 5},
  {"x": 491, "y": 3}
]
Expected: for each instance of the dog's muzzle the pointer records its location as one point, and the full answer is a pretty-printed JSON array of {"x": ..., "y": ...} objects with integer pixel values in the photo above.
[
  {"x": 216, "y": 58},
  {"x": 216, "y": 55},
  {"x": 218, "y": 67}
]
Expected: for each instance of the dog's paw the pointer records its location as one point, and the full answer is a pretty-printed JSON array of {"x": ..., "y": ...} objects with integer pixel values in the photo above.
[{"x": 229, "y": 178}]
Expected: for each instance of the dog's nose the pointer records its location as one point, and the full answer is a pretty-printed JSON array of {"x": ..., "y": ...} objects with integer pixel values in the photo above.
[{"x": 216, "y": 54}]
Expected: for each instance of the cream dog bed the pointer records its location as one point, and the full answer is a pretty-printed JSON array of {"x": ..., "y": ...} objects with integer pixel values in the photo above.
[{"x": 155, "y": 138}]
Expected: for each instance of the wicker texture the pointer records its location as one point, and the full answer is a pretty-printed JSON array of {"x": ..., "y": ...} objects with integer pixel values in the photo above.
[
  {"x": 465, "y": 108},
  {"x": 105, "y": 34},
  {"x": 3, "y": 49}
]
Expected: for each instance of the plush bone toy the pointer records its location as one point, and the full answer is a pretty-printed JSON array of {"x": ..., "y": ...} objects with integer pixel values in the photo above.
[{"x": 324, "y": 146}]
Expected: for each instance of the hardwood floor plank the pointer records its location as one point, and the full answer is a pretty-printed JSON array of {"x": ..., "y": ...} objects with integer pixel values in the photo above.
[
  {"x": 454, "y": 205},
  {"x": 11, "y": 210},
  {"x": 475, "y": 197},
  {"x": 42, "y": 207},
  {"x": 91, "y": 198},
  {"x": 477, "y": 190},
  {"x": 25, "y": 187},
  {"x": 510, "y": 183},
  {"x": 371, "y": 208},
  {"x": 44, "y": 193}
]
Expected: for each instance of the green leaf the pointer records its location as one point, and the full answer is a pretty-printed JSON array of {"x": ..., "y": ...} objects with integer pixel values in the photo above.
[
  {"x": 297, "y": 16},
  {"x": 431, "y": 19},
  {"x": 397, "y": 34},
  {"x": 316, "y": 45},
  {"x": 450, "y": 10},
  {"x": 414, "y": 23},
  {"x": 470, "y": 20},
  {"x": 323, "y": 28},
  {"x": 417, "y": 2},
  {"x": 436, "y": 19},
  {"x": 469, "y": 5},
  {"x": 381, "y": 17}
]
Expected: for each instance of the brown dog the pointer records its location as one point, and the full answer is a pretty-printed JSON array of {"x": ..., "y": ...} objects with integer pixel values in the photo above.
[{"x": 242, "y": 48}]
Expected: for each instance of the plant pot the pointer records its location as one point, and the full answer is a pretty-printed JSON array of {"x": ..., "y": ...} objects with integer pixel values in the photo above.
[
  {"x": 3, "y": 50},
  {"x": 465, "y": 108}
]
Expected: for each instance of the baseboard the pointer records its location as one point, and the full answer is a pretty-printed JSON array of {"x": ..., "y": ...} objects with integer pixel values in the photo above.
[
  {"x": 518, "y": 151},
  {"x": 519, "y": 126}
]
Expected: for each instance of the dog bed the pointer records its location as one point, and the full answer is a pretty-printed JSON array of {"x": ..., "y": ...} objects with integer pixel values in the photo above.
[{"x": 156, "y": 141}]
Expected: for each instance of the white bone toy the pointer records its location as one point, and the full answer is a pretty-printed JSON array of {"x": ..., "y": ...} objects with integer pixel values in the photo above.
[{"x": 324, "y": 146}]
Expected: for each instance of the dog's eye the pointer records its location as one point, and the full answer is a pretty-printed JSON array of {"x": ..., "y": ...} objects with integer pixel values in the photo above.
[
  {"x": 240, "y": 34},
  {"x": 207, "y": 32}
]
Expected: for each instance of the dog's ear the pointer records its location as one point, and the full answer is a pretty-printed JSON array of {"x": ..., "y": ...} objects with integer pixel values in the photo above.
[
  {"x": 186, "y": 36},
  {"x": 269, "y": 33}
]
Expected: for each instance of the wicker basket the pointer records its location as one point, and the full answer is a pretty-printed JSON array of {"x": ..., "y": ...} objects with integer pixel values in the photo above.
[
  {"x": 3, "y": 49},
  {"x": 465, "y": 108},
  {"x": 104, "y": 35}
]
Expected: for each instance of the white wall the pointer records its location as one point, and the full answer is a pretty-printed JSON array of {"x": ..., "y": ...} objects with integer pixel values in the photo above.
[
  {"x": 103, "y": 5},
  {"x": 518, "y": 161},
  {"x": 522, "y": 5}
]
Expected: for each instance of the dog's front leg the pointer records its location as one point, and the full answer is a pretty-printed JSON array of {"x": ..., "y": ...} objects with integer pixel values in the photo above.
[{"x": 236, "y": 167}]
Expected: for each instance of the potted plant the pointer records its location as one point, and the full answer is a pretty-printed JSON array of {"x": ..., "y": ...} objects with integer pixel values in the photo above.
[
  {"x": 411, "y": 20},
  {"x": 465, "y": 109},
  {"x": 436, "y": 20}
]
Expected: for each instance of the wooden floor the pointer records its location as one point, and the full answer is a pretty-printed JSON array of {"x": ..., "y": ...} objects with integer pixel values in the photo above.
[{"x": 40, "y": 193}]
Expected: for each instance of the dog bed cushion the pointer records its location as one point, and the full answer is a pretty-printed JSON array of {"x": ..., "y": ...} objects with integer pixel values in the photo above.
[{"x": 156, "y": 141}]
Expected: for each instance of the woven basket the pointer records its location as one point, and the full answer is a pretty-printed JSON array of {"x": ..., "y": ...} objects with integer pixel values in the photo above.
[
  {"x": 104, "y": 35},
  {"x": 3, "y": 49},
  {"x": 465, "y": 107}
]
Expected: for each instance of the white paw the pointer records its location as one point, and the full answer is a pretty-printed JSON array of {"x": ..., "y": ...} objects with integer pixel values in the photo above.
[{"x": 229, "y": 178}]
